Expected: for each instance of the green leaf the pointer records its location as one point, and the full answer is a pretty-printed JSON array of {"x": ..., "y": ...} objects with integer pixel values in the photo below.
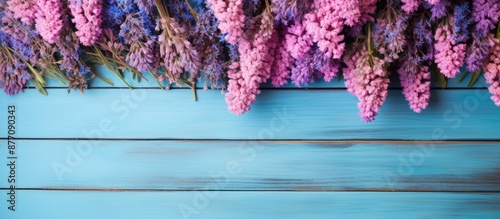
[
  {"x": 35, "y": 72},
  {"x": 110, "y": 66},
  {"x": 439, "y": 77},
  {"x": 462, "y": 76},
  {"x": 39, "y": 87},
  {"x": 103, "y": 79},
  {"x": 475, "y": 77},
  {"x": 498, "y": 30}
]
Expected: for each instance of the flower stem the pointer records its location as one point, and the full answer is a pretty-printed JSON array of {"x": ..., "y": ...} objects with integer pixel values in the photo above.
[
  {"x": 191, "y": 9},
  {"x": 111, "y": 67},
  {"x": 37, "y": 75},
  {"x": 156, "y": 79},
  {"x": 498, "y": 30}
]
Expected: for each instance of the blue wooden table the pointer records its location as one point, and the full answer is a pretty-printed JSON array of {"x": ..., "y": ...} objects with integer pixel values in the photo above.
[{"x": 299, "y": 153}]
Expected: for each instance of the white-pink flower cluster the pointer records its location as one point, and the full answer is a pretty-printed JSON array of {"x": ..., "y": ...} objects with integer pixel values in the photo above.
[
  {"x": 256, "y": 58},
  {"x": 87, "y": 17},
  {"x": 231, "y": 18},
  {"x": 283, "y": 61},
  {"x": 49, "y": 19},
  {"x": 324, "y": 24},
  {"x": 410, "y": 6},
  {"x": 367, "y": 79},
  {"x": 416, "y": 86},
  {"x": 25, "y": 10},
  {"x": 492, "y": 73},
  {"x": 449, "y": 55}
]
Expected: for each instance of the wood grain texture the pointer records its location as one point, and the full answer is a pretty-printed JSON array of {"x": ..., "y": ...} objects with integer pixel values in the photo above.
[
  {"x": 251, "y": 205},
  {"x": 117, "y": 153},
  {"x": 251, "y": 166},
  {"x": 277, "y": 114}
]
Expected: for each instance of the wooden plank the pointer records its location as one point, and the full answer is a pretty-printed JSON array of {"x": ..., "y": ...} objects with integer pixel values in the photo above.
[
  {"x": 251, "y": 166},
  {"x": 149, "y": 82},
  {"x": 277, "y": 114},
  {"x": 250, "y": 205}
]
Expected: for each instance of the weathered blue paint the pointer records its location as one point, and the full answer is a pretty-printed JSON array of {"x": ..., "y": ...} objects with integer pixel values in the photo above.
[
  {"x": 287, "y": 114},
  {"x": 246, "y": 166},
  {"x": 251, "y": 205},
  {"x": 151, "y": 151}
]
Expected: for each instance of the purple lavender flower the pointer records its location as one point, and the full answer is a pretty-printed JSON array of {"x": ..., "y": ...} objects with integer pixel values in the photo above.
[
  {"x": 325, "y": 67},
  {"x": 15, "y": 50},
  {"x": 302, "y": 72},
  {"x": 388, "y": 34},
  {"x": 461, "y": 21},
  {"x": 440, "y": 9},
  {"x": 176, "y": 51},
  {"x": 71, "y": 62},
  {"x": 485, "y": 14},
  {"x": 477, "y": 52},
  {"x": 422, "y": 38},
  {"x": 211, "y": 49},
  {"x": 289, "y": 10},
  {"x": 138, "y": 34},
  {"x": 113, "y": 16}
]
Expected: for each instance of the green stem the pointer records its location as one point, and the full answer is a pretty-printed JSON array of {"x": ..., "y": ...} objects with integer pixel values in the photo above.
[
  {"x": 39, "y": 87},
  {"x": 52, "y": 74},
  {"x": 38, "y": 77},
  {"x": 112, "y": 68},
  {"x": 156, "y": 79},
  {"x": 119, "y": 62},
  {"x": 191, "y": 9},
  {"x": 368, "y": 40},
  {"x": 498, "y": 30}
]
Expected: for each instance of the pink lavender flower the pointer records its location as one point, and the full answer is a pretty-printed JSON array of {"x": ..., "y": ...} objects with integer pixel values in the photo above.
[
  {"x": 176, "y": 51},
  {"x": 366, "y": 8},
  {"x": 433, "y": 2},
  {"x": 87, "y": 16},
  {"x": 410, "y": 6},
  {"x": 298, "y": 41},
  {"x": 449, "y": 55},
  {"x": 303, "y": 70},
  {"x": 367, "y": 79},
  {"x": 49, "y": 19},
  {"x": 349, "y": 11},
  {"x": 492, "y": 73},
  {"x": 325, "y": 25},
  {"x": 283, "y": 61},
  {"x": 231, "y": 18},
  {"x": 325, "y": 67},
  {"x": 25, "y": 10},
  {"x": 415, "y": 80},
  {"x": 141, "y": 56},
  {"x": 256, "y": 59}
]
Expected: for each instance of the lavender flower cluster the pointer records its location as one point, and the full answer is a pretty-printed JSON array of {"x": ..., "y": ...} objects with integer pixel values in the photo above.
[{"x": 237, "y": 45}]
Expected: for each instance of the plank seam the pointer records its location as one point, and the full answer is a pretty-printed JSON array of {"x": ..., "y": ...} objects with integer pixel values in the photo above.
[
  {"x": 235, "y": 190},
  {"x": 390, "y": 141}
]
